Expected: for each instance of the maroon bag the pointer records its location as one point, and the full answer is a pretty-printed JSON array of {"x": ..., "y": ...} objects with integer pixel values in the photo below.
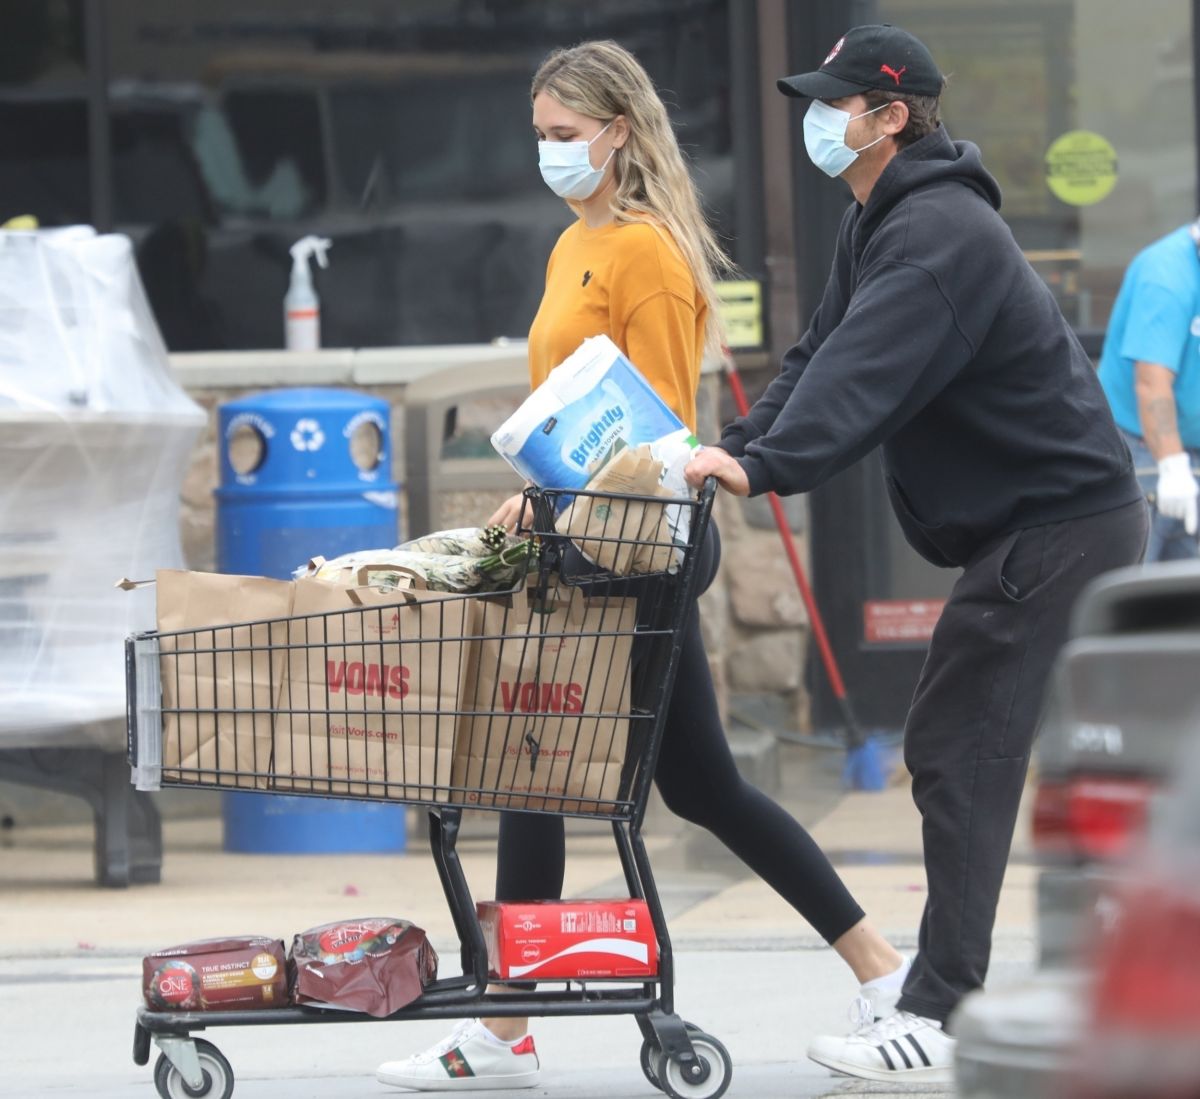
[
  {"x": 376, "y": 965},
  {"x": 217, "y": 975}
]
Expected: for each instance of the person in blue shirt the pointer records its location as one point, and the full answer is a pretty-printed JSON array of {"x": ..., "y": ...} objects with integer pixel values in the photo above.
[{"x": 1150, "y": 371}]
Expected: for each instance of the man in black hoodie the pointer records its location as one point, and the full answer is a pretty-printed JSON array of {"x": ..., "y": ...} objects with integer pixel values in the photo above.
[{"x": 937, "y": 342}]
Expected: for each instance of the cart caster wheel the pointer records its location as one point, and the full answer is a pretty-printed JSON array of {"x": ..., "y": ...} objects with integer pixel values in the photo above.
[
  {"x": 218, "y": 1076},
  {"x": 712, "y": 1074},
  {"x": 651, "y": 1053},
  {"x": 649, "y": 1058}
]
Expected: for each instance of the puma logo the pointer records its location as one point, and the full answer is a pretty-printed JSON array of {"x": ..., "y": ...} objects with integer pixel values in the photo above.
[
  {"x": 893, "y": 73},
  {"x": 587, "y": 277}
]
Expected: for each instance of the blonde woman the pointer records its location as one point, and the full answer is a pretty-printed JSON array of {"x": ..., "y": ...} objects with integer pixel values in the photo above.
[{"x": 638, "y": 266}]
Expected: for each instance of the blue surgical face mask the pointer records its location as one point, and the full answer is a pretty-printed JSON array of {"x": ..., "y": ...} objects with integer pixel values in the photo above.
[
  {"x": 825, "y": 137},
  {"x": 567, "y": 167}
]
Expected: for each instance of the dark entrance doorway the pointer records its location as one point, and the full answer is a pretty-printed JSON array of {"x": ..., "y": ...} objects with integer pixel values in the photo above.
[{"x": 879, "y": 600}]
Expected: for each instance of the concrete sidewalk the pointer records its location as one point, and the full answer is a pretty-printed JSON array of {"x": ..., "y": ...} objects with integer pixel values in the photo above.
[
  {"x": 50, "y": 905},
  {"x": 748, "y": 969}
]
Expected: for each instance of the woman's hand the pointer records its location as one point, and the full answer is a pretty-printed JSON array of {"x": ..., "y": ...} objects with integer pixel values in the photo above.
[
  {"x": 712, "y": 461},
  {"x": 508, "y": 513}
]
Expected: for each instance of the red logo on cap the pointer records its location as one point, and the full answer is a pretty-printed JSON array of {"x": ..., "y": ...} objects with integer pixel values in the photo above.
[
  {"x": 892, "y": 72},
  {"x": 837, "y": 48}
]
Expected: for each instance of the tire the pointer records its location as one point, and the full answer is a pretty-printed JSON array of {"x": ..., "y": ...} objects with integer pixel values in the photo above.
[
  {"x": 651, "y": 1053},
  {"x": 649, "y": 1058},
  {"x": 218, "y": 1076},
  {"x": 717, "y": 1071}
]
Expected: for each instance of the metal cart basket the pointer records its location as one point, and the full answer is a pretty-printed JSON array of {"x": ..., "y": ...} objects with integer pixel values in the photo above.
[{"x": 550, "y": 698}]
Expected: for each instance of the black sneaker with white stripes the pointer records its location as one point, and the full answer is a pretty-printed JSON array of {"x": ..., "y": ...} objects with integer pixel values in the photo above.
[{"x": 903, "y": 1046}]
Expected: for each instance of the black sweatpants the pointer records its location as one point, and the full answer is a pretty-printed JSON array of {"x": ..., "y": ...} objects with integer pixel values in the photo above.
[
  {"x": 699, "y": 781},
  {"x": 971, "y": 728}
]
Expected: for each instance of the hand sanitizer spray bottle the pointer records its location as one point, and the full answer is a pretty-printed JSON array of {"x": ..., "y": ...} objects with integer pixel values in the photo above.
[{"x": 301, "y": 306}]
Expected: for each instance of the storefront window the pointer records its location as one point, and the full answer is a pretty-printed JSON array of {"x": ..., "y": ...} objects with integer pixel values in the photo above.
[
  {"x": 45, "y": 170},
  {"x": 42, "y": 43},
  {"x": 400, "y": 131},
  {"x": 1084, "y": 113},
  {"x": 43, "y": 112}
]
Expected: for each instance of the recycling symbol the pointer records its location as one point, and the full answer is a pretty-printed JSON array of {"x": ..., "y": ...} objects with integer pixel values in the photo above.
[{"x": 307, "y": 435}]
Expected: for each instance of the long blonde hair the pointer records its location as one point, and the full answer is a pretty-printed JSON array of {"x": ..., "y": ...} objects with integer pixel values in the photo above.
[{"x": 602, "y": 80}]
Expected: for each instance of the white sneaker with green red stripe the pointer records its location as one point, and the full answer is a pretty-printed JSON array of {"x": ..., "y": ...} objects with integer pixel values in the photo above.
[
  {"x": 902, "y": 1047},
  {"x": 470, "y": 1058}
]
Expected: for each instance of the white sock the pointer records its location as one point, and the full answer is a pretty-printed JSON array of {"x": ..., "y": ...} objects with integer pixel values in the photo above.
[
  {"x": 890, "y": 980},
  {"x": 496, "y": 1040}
]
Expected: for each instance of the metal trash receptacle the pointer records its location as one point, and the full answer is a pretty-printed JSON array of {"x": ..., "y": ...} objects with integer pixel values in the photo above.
[{"x": 304, "y": 473}]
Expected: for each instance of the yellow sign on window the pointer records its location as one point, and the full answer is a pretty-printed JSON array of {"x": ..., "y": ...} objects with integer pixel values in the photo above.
[
  {"x": 1081, "y": 167},
  {"x": 741, "y": 312}
]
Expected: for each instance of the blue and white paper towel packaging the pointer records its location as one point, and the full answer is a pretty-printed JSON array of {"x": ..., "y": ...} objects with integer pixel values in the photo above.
[{"x": 594, "y": 403}]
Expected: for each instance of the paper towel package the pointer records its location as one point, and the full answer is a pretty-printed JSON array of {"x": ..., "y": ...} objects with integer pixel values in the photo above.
[{"x": 593, "y": 405}]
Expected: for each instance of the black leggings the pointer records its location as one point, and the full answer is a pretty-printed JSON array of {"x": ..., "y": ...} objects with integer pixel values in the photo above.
[{"x": 699, "y": 781}]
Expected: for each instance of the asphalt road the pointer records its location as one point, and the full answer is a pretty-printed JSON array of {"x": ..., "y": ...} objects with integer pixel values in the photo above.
[{"x": 67, "y": 1025}]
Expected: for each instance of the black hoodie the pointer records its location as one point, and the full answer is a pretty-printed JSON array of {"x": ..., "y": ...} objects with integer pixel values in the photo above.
[{"x": 936, "y": 339}]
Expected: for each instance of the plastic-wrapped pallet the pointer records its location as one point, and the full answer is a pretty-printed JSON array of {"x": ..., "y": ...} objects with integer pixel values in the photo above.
[{"x": 95, "y": 435}]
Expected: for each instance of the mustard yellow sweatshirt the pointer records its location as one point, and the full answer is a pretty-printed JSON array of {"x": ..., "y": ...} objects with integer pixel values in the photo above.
[{"x": 630, "y": 283}]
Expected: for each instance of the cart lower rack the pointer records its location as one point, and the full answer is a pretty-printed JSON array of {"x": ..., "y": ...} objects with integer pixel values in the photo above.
[{"x": 547, "y": 699}]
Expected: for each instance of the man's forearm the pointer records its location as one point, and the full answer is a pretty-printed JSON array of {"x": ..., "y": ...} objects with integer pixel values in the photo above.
[
  {"x": 1157, "y": 412},
  {"x": 1160, "y": 426},
  {"x": 759, "y": 418}
]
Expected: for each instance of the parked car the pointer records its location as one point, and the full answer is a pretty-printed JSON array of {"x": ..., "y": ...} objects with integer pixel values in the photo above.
[
  {"x": 1142, "y": 1039},
  {"x": 1123, "y": 699}
]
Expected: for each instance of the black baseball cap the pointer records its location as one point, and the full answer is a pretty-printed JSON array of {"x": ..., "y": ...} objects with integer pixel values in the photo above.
[{"x": 875, "y": 56}]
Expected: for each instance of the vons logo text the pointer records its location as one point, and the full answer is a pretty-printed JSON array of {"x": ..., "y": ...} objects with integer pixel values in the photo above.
[
  {"x": 542, "y": 698},
  {"x": 357, "y": 678}
]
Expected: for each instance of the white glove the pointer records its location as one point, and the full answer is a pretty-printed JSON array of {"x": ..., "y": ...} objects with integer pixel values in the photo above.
[{"x": 1175, "y": 496}]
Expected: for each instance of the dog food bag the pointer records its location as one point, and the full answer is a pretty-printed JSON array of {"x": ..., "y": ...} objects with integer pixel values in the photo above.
[
  {"x": 217, "y": 975},
  {"x": 376, "y": 965}
]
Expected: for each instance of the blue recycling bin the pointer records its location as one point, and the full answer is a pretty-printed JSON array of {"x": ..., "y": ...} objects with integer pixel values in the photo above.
[{"x": 304, "y": 473}]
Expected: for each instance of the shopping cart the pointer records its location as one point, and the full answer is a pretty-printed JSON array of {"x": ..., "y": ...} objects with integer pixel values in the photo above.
[{"x": 458, "y": 702}]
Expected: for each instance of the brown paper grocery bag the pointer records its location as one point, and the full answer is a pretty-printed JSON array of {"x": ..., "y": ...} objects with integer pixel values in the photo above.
[
  {"x": 371, "y": 692},
  {"x": 549, "y": 704},
  {"x": 619, "y": 535},
  {"x": 221, "y": 679}
]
